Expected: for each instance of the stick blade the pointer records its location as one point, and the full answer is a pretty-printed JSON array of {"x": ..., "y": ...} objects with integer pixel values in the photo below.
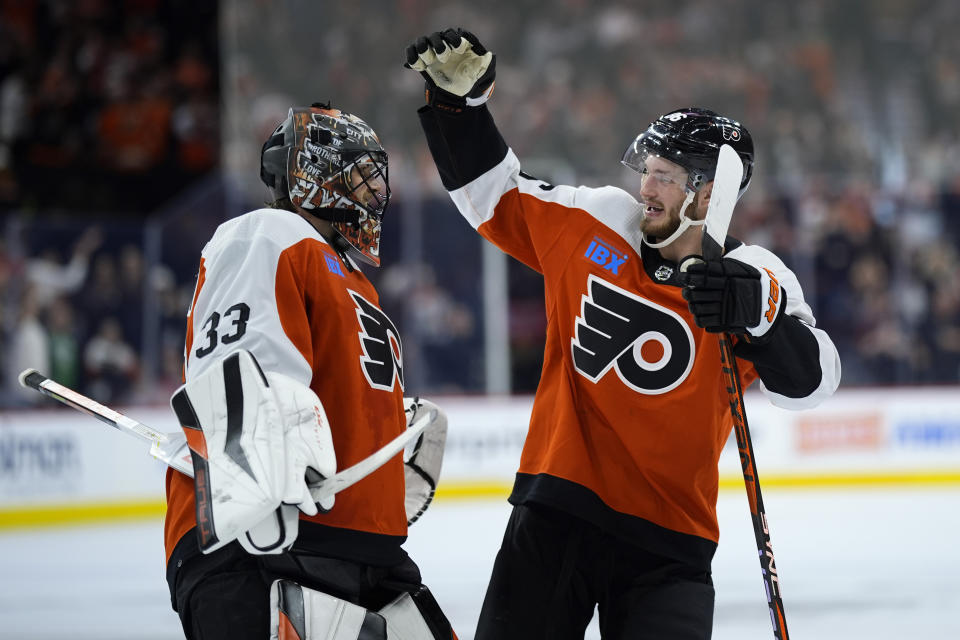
[{"x": 723, "y": 198}]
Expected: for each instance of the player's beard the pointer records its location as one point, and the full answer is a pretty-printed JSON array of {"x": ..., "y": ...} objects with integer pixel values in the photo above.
[{"x": 664, "y": 225}]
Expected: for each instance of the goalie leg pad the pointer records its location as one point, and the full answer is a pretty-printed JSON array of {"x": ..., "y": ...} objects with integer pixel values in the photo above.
[
  {"x": 299, "y": 613},
  {"x": 416, "y": 616}
]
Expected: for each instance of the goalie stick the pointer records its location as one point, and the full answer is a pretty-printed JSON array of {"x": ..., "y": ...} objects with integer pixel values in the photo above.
[
  {"x": 171, "y": 448},
  {"x": 726, "y": 187}
]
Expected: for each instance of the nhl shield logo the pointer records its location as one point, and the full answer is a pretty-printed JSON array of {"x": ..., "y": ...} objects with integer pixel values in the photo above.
[{"x": 663, "y": 273}]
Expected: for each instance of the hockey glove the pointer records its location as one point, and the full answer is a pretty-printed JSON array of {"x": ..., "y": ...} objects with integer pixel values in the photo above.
[
  {"x": 308, "y": 444},
  {"x": 729, "y": 296},
  {"x": 459, "y": 71},
  {"x": 309, "y": 458},
  {"x": 230, "y": 419},
  {"x": 424, "y": 457}
]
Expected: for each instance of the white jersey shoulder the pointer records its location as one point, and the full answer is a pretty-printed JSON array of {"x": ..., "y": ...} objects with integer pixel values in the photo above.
[
  {"x": 236, "y": 307},
  {"x": 275, "y": 226},
  {"x": 612, "y": 206}
]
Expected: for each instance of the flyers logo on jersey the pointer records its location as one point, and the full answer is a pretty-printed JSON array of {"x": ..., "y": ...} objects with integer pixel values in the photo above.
[
  {"x": 382, "y": 359},
  {"x": 649, "y": 346}
]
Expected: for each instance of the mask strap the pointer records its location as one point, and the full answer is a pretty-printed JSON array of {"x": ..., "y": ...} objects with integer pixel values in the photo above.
[{"x": 685, "y": 223}]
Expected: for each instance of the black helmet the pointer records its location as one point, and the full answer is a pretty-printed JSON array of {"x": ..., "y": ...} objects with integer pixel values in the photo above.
[
  {"x": 330, "y": 164},
  {"x": 692, "y": 138}
]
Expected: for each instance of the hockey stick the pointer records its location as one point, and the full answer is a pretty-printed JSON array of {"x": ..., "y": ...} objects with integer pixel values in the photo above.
[
  {"x": 726, "y": 186},
  {"x": 171, "y": 448}
]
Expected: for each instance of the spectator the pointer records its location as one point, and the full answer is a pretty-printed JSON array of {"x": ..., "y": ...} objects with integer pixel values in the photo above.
[
  {"x": 101, "y": 296},
  {"x": 110, "y": 364},
  {"x": 50, "y": 278},
  {"x": 29, "y": 348},
  {"x": 64, "y": 343}
]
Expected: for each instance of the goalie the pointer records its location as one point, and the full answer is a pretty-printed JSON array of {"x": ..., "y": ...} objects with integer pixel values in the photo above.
[{"x": 292, "y": 372}]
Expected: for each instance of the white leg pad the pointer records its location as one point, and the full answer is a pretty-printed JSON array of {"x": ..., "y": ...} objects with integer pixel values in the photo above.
[
  {"x": 404, "y": 620},
  {"x": 298, "y": 613}
]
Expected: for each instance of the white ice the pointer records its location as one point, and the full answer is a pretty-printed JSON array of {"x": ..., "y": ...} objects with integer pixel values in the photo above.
[{"x": 874, "y": 563}]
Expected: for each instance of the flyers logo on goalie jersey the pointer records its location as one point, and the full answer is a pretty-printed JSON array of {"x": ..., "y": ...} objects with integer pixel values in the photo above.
[
  {"x": 382, "y": 359},
  {"x": 649, "y": 346}
]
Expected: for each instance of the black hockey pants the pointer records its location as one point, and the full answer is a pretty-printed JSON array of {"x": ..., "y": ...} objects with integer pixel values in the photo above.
[
  {"x": 553, "y": 569},
  {"x": 226, "y": 595}
]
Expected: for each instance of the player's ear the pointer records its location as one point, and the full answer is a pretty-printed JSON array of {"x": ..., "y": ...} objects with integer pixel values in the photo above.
[
  {"x": 703, "y": 200},
  {"x": 705, "y": 192}
]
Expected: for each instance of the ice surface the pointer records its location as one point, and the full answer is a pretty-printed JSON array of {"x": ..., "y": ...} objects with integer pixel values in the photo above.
[{"x": 871, "y": 563}]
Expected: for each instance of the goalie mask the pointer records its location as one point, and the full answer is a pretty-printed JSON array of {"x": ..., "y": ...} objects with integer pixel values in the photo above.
[
  {"x": 692, "y": 138},
  {"x": 331, "y": 165}
]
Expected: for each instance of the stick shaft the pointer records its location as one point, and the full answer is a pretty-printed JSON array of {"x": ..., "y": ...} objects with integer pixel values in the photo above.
[
  {"x": 172, "y": 449},
  {"x": 758, "y": 514}
]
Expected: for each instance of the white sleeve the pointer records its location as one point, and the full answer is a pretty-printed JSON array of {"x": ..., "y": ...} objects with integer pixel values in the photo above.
[
  {"x": 237, "y": 303},
  {"x": 827, "y": 356}
]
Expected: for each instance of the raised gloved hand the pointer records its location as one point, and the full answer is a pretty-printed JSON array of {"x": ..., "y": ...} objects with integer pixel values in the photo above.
[
  {"x": 729, "y": 296},
  {"x": 459, "y": 71}
]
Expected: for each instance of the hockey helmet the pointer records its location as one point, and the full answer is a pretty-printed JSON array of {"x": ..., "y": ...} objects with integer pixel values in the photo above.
[
  {"x": 331, "y": 165},
  {"x": 692, "y": 138}
]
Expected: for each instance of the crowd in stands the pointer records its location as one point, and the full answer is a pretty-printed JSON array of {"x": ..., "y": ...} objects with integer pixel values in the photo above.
[
  {"x": 106, "y": 105},
  {"x": 115, "y": 106}
]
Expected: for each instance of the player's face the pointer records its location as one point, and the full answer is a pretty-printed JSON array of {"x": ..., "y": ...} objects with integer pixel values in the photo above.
[
  {"x": 369, "y": 187},
  {"x": 662, "y": 191}
]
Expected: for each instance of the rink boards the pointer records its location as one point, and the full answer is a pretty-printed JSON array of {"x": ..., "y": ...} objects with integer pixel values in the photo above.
[{"x": 58, "y": 466}]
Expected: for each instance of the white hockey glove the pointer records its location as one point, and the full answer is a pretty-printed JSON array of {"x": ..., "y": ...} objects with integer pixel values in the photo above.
[
  {"x": 307, "y": 441},
  {"x": 424, "y": 457},
  {"x": 230, "y": 418},
  {"x": 256, "y": 441},
  {"x": 309, "y": 458},
  {"x": 459, "y": 71}
]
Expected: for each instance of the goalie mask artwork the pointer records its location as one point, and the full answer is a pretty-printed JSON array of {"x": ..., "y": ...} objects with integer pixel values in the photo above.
[{"x": 331, "y": 164}]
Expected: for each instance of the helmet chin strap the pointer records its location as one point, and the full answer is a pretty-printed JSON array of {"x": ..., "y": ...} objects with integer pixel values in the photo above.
[{"x": 685, "y": 223}]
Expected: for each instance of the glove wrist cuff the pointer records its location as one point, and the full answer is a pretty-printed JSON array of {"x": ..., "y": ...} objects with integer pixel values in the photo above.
[{"x": 773, "y": 302}]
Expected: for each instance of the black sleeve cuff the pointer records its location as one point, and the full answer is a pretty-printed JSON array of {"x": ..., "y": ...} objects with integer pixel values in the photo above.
[
  {"x": 464, "y": 145},
  {"x": 789, "y": 362}
]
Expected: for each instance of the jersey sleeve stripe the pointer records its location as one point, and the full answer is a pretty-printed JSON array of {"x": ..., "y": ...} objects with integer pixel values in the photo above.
[{"x": 201, "y": 278}]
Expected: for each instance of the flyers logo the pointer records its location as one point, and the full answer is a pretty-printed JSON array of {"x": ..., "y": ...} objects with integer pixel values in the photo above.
[
  {"x": 382, "y": 359},
  {"x": 649, "y": 346},
  {"x": 731, "y": 134}
]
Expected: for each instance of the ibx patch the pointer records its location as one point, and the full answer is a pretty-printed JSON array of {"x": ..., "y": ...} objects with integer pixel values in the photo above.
[
  {"x": 602, "y": 253},
  {"x": 333, "y": 265}
]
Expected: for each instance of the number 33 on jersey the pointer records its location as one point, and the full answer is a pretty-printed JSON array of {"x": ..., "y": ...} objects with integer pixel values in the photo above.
[
  {"x": 254, "y": 293},
  {"x": 270, "y": 284}
]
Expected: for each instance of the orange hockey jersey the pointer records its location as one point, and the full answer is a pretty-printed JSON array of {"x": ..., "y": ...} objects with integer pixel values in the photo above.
[
  {"x": 632, "y": 411},
  {"x": 269, "y": 283}
]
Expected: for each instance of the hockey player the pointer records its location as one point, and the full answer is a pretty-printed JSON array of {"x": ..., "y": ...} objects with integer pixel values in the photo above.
[
  {"x": 615, "y": 497},
  {"x": 292, "y": 371}
]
